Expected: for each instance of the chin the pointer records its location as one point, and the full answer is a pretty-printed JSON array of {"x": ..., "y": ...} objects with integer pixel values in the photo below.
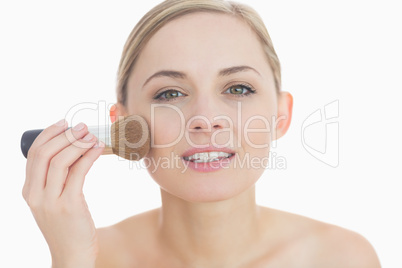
[
  {"x": 208, "y": 195},
  {"x": 206, "y": 187}
]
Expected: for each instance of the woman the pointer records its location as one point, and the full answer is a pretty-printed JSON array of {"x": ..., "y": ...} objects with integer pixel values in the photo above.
[{"x": 211, "y": 63}]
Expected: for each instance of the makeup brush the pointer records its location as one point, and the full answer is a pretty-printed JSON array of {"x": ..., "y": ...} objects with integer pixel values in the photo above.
[{"x": 128, "y": 138}]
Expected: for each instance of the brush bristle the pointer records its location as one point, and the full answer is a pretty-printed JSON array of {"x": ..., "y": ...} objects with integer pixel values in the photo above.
[{"x": 130, "y": 137}]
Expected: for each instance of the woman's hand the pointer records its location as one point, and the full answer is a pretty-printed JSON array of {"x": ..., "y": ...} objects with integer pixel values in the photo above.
[{"x": 57, "y": 164}]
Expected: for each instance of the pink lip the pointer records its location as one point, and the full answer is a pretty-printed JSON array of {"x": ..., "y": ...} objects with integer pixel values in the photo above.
[{"x": 207, "y": 149}]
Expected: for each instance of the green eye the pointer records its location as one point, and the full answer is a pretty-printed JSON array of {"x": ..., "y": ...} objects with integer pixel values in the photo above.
[
  {"x": 236, "y": 90},
  {"x": 240, "y": 90},
  {"x": 171, "y": 94},
  {"x": 168, "y": 95}
]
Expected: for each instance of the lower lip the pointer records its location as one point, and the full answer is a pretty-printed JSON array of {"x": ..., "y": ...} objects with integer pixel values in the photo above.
[{"x": 209, "y": 166}]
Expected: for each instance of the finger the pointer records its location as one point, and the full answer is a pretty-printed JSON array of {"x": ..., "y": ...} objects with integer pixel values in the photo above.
[
  {"x": 49, "y": 133},
  {"x": 47, "y": 151},
  {"x": 46, "y": 135},
  {"x": 77, "y": 173},
  {"x": 60, "y": 164}
]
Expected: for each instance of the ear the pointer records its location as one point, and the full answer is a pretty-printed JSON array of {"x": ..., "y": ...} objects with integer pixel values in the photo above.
[
  {"x": 117, "y": 110},
  {"x": 284, "y": 116}
]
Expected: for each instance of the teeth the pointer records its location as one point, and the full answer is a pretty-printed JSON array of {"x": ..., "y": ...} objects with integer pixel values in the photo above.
[{"x": 207, "y": 157}]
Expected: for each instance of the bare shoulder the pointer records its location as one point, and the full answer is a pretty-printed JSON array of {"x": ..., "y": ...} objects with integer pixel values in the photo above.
[
  {"x": 119, "y": 242},
  {"x": 320, "y": 244},
  {"x": 344, "y": 248}
]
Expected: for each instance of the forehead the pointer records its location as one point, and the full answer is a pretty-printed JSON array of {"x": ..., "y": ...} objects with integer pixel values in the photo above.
[{"x": 202, "y": 41}]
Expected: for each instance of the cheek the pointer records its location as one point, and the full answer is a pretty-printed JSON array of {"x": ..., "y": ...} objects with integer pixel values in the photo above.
[
  {"x": 166, "y": 126},
  {"x": 257, "y": 127},
  {"x": 256, "y": 142},
  {"x": 257, "y": 132}
]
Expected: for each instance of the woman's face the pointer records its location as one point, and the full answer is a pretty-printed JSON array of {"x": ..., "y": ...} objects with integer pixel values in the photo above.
[{"x": 218, "y": 90}]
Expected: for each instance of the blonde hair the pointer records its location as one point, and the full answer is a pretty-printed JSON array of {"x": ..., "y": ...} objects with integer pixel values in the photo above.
[{"x": 172, "y": 9}]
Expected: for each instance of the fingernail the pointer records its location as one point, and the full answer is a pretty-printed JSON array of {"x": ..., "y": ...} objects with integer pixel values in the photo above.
[
  {"x": 88, "y": 137},
  {"x": 79, "y": 127},
  {"x": 62, "y": 122}
]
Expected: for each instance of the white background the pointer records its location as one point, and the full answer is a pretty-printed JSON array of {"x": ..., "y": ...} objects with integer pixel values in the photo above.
[{"x": 54, "y": 56}]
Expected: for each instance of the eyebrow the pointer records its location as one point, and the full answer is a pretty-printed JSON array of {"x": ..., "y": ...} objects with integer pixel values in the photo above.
[{"x": 181, "y": 75}]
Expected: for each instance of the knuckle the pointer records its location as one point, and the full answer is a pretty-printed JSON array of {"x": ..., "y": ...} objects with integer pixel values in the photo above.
[
  {"x": 42, "y": 153},
  {"x": 34, "y": 151},
  {"x": 32, "y": 201},
  {"x": 58, "y": 162},
  {"x": 25, "y": 193}
]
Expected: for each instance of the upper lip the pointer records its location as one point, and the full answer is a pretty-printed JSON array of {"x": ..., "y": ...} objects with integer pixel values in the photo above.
[{"x": 192, "y": 151}]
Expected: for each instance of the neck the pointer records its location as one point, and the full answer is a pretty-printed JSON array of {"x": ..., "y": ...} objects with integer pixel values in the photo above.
[{"x": 213, "y": 231}]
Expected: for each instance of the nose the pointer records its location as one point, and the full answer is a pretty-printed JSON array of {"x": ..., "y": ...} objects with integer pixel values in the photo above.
[
  {"x": 201, "y": 122},
  {"x": 206, "y": 116}
]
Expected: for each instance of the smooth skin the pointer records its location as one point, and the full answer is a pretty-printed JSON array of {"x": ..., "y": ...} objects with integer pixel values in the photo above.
[
  {"x": 206, "y": 219},
  {"x": 57, "y": 164}
]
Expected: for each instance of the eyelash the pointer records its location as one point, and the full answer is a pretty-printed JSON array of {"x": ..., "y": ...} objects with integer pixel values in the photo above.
[{"x": 244, "y": 86}]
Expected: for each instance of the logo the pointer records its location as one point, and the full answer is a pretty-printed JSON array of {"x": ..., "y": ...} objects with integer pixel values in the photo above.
[{"x": 320, "y": 134}]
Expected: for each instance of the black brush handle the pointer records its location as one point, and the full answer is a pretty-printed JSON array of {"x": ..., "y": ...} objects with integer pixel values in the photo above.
[{"x": 27, "y": 139}]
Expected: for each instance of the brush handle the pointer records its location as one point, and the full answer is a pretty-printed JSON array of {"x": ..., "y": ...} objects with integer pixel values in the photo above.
[
  {"x": 101, "y": 132},
  {"x": 27, "y": 139}
]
